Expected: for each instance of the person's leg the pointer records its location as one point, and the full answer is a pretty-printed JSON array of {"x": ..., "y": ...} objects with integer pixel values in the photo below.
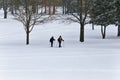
[
  {"x": 60, "y": 44},
  {"x": 51, "y": 44}
]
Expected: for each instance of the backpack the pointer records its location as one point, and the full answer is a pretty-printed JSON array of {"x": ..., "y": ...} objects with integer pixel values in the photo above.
[{"x": 59, "y": 40}]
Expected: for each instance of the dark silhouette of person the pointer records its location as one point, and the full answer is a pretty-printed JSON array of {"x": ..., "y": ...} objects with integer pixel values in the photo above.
[
  {"x": 60, "y": 40},
  {"x": 51, "y": 41}
]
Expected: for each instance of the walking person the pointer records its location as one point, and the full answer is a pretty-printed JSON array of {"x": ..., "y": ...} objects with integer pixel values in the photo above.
[
  {"x": 60, "y": 41},
  {"x": 51, "y": 41}
]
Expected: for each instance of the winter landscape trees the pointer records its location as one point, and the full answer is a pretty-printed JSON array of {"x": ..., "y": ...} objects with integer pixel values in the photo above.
[
  {"x": 29, "y": 16},
  {"x": 5, "y": 4},
  {"x": 116, "y": 4},
  {"x": 97, "y": 12},
  {"x": 80, "y": 10},
  {"x": 95, "y": 59},
  {"x": 101, "y": 14},
  {"x": 104, "y": 13}
]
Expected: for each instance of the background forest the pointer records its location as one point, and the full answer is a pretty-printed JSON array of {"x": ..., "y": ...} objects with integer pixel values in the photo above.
[{"x": 95, "y": 12}]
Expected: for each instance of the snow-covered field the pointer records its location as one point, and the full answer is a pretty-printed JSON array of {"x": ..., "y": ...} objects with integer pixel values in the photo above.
[{"x": 95, "y": 59}]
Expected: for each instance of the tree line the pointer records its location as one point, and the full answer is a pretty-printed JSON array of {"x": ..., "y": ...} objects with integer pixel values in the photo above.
[{"x": 32, "y": 12}]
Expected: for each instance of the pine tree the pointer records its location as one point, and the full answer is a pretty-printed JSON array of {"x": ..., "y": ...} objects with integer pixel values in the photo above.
[
  {"x": 101, "y": 13},
  {"x": 117, "y": 14}
]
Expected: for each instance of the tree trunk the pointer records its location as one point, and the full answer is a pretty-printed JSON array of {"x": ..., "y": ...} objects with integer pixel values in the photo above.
[
  {"x": 27, "y": 34},
  {"x": 49, "y": 7},
  {"x": 12, "y": 7},
  {"x": 53, "y": 9},
  {"x": 12, "y": 11},
  {"x": 118, "y": 30},
  {"x": 63, "y": 5},
  {"x": 5, "y": 14},
  {"x": 45, "y": 8},
  {"x": 27, "y": 38},
  {"x": 103, "y": 31},
  {"x": 5, "y": 6},
  {"x": 81, "y": 32},
  {"x": 92, "y": 26}
]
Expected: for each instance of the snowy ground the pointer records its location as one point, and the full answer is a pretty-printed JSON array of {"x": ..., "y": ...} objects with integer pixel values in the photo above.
[{"x": 95, "y": 59}]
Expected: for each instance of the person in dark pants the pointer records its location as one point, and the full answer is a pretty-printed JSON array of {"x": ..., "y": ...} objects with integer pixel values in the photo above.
[
  {"x": 60, "y": 40},
  {"x": 51, "y": 41}
]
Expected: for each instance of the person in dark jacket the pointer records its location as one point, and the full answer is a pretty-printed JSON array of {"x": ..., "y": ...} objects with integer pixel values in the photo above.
[
  {"x": 51, "y": 41},
  {"x": 60, "y": 40}
]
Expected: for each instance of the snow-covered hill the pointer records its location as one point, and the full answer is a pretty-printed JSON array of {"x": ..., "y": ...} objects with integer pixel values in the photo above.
[{"x": 95, "y": 59}]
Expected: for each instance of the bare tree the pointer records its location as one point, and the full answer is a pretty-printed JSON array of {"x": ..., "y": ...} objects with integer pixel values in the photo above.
[
  {"x": 28, "y": 17},
  {"x": 79, "y": 9},
  {"x": 66, "y": 6},
  {"x": 50, "y": 6},
  {"x": 5, "y": 7}
]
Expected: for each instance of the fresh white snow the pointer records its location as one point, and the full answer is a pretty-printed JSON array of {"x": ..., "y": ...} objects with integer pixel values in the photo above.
[{"x": 95, "y": 59}]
